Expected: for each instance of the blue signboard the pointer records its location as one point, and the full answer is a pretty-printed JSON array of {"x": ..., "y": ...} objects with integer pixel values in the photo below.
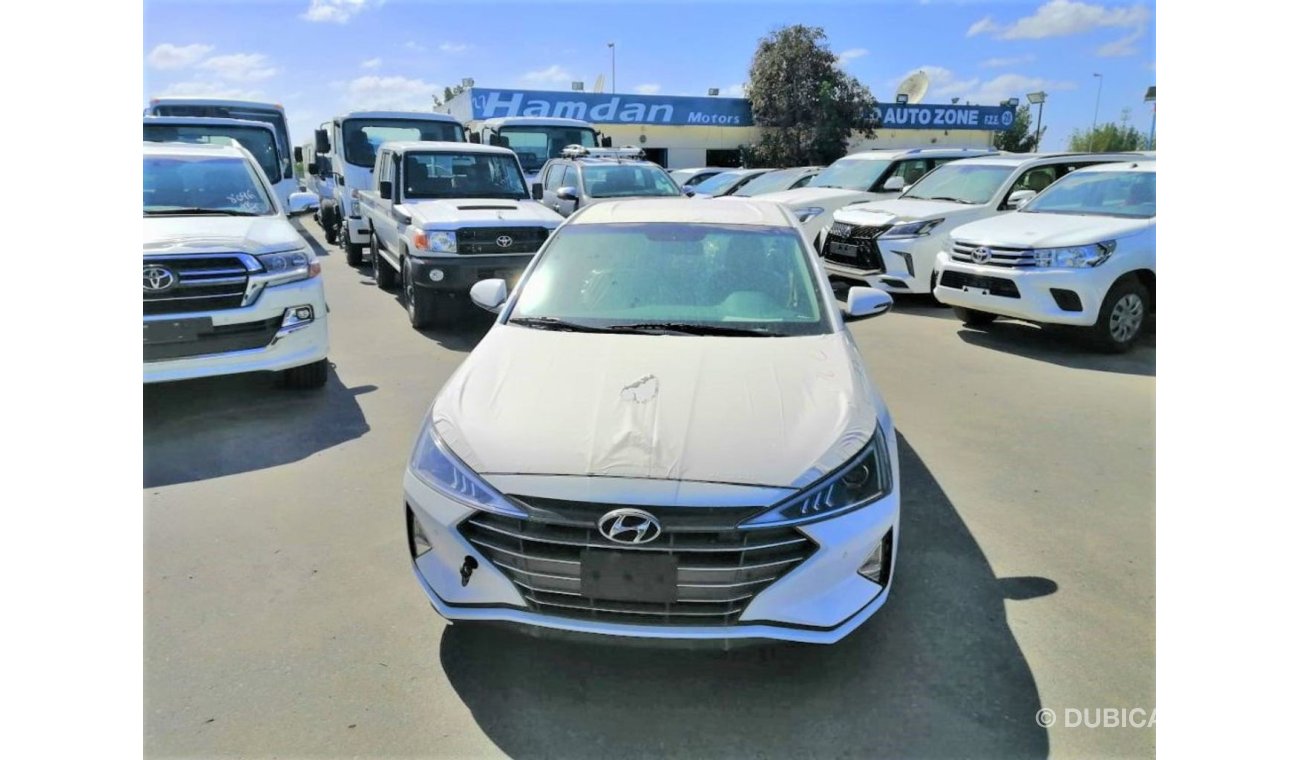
[
  {"x": 602, "y": 108},
  {"x": 926, "y": 116}
]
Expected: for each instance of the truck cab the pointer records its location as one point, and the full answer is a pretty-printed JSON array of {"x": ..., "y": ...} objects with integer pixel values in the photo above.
[
  {"x": 444, "y": 215},
  {"x": 350, "y": 143},
  {"x": 536, "y": 139},
  {"x": 257, "y": 137}
]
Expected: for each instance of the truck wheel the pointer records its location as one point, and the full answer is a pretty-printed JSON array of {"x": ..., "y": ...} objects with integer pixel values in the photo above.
[
  {"x": 424, "y": 307},
  {"x": 1121, "y": 317},
  {"x": 354, "y": 251},
  {"x": 329, "y": 223},
  {"x": 385, "y": 277},
  {"x": 973, "y": 317},
  {"x": 307, "y": 376}
]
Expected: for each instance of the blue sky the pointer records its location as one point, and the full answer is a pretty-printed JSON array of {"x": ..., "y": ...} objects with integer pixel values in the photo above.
[{"x": 323, "y": 57}]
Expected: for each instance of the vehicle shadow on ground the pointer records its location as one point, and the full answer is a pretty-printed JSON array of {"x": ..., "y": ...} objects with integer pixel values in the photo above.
[
  {"x": 316, "y": 247},
  {"x": 468, "y": 326},
  {"x": 937, "y": 673},
  {"x": 1063, "y": 347},
  {"x": 201, "y": 429}
]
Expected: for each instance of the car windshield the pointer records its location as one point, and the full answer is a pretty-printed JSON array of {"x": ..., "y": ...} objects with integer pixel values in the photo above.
[
  {"x": 220, "y": 185},
  {"x": 362, "y": 137},
  {"x": 963, "y": 183},
  {"x": 259, "y": 142},
  {"x": 625, "y": 181},
  {"x": 674, "y": 278},
  {"x": 462, "y": 175},
  {"x": 537, "y": 145},
  {"x": 1105, "y": 193},
  {"x": 771, "y": 182},
  {"x": 248, "y": 112},
  {"x": 719, "y": 183},
  {"x": 852, "y": 173}
]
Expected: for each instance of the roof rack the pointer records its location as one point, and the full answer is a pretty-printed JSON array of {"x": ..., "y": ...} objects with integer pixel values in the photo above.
[{"x": 581, "y": 151}]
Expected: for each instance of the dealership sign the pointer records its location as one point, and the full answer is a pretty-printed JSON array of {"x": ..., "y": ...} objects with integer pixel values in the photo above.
[
  {"x": 600, "y": 108},
  {"x": 923, "y": 116}
]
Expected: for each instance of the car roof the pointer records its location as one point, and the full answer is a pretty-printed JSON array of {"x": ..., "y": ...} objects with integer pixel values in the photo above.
[
  {"x": 208, "y": 120},
  {"x": 685, "y": 211},
  {"x": 407, "y": 146},
  {"x": 181, "y": 99},
  {"x": 1020, "y": 159},
  {"x": 411, "y": 115},
  {"x": 206, "y": 150},
  {"x": 891, "y": 153},
  {"x": 1145, "y": 165},
  {"x": 607, "y": 161},
  {"x": 535, "y": 121}
]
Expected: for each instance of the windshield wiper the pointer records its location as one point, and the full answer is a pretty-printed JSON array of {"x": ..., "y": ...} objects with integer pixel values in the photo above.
[
  {"x": 551, "y": 323},
  {"x": 689, "y": 328},
  {"x": 940, "y": 198},
  {"x": 201, "y": 211}
]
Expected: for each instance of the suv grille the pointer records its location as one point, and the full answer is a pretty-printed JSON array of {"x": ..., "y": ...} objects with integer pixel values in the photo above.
[
  {"x": 996, "y": 286},
  {"x": 853, "y": 246},
  {"x": 1001, "y": 257},
  {"x": 204, "y": 283},
  {"x": 719, "y": 568},
  {"x": 484, "y": 240}
]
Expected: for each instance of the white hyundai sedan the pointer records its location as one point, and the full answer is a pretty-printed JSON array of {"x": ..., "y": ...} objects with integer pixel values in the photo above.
[{"x": 667, "y": 434}]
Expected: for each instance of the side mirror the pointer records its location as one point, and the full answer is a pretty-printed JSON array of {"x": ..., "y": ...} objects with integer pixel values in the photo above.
[
  {"x": 474, "y": 138},
  {"x": 1020, "y": 198},
  {"x": 606, "y": 142},
  {"x": 301, "y": 203},
  {"x": 386, "y": 190},
  {"x": 493, "y": 139},
  {"x": 537, "y": 191},
  {"x": 297, "y": 153},
  {"x": 865, "y": 303},
  {"x": 688, "y": 191},
  {"x": 322, "y": 141},
  {"x": 894, "y": 183},
  {"x": 489, "y": 294},
  {"x": 567, "y": 193}
]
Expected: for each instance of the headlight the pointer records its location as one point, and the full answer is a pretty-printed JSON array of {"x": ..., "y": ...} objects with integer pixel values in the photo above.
[
  {"x": 808, "y": 212},
  {"x": 437, "y": 467},
  {"x": 438, "y": 241},
  {"x": 1074, "y": 256},
  {"x": 864, "y": 479},
  {"x": 289, "y": 266},
  {"x": 912, "y": 229}
]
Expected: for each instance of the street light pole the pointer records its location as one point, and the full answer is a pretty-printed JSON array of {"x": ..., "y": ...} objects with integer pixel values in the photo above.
[
  {"x": 1092, "y": 139},
  {"x": 1039, "y": 98},
  {"x": 1151, "y": 98},
  {"x": 613, "y": 70}
]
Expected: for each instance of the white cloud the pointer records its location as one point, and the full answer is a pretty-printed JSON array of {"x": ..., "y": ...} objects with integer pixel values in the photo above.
[
  {"x": 1060, "y": 18},
  {"x": 646, "y": 89},
  {"x": 997, "y": 63},
  {"x": 1124, "y": 46},
  {"x": 337, "y": 11},
  {"x": 240, "y": 67},
  {"x": 212, "y": 90},
  {"x": 372, "y": 63},
  {"x": 453, "y": 47},
  {"x": 945, "y": 85},
  {"x": 849, "y": 55},
  {"x": 393, "y": 93},
  {"x": 550, "y": 75},
  {"x": 169, "y": 56},
  {"x": 413, "y": 45},
  {"x": 734, "y": 91}
]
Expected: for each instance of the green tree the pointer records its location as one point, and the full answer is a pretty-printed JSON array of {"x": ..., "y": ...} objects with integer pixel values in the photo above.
[
  {"x": 805, "y": 105},
  {"x": 1019, "y": 138},
  {"x": 1106, "y": 137}
]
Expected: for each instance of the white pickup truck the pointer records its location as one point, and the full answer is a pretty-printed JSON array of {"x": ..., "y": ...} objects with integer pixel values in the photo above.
[{"x": 444, "y": 215}]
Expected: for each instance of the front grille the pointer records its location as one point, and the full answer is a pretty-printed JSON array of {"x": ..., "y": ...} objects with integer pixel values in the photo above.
[
  {"x": 483, "y": 240},
  {"x": 998, "y": 257},
  {"x": 719, "y": 568},
  {"x": 204, "y": 283},
  {"x": 221, "y": 339},
  {"x": 863, "y": 252},
  {"x": 996, "y": 286}
]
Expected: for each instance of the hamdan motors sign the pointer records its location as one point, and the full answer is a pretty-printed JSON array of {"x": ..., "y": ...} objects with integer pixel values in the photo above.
[
  {"x": 600, "y": 108},
  {"x": 925, "y": 116}
]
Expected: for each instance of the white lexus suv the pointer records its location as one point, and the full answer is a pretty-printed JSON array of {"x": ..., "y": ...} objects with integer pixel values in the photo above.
[
  {"x": 229, "y": 284},
  {"x": 667, "y": 434},
  {"x": 1082, "y": 253}
]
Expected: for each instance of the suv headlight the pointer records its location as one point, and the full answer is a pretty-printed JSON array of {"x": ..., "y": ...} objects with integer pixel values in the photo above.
[
  {"x": 438, "y": 241},
  {"x": 912, "y": 229},
  {"x": 808, "y": 212},
  {"x": 1075, "y": 256},
  {"x": 864, "y": 479},
  {"x": 436, "y": 466},
  {"x": 289, "y": 266}
]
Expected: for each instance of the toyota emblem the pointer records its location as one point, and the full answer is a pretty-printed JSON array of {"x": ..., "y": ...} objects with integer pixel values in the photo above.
[
  {"x": 981, "y": 255},
  {"x": 157, "y": 279},
  {"x": 629, "y": 526},
  {"x": 505, "y": 241}
]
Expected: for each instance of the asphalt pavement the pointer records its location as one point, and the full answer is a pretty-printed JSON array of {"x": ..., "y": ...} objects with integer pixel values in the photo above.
[{"x": 282, "y": 618}]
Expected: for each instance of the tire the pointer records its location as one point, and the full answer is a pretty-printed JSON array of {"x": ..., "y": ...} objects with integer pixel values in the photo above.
[
  {"x": 306, "y": 377},
  {"x": 329, "y": 223},
  {"x": 973, "y": 317},
  {"x": 1122, "y": 315},
  {"x": 424, "y": 307},
  {"x": 354, "y": 251},
  {"x": 385, "y": 277}
]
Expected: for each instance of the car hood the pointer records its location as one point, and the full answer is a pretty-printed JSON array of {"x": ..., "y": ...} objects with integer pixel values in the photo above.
[
  {"x": 482, "y": 211},
  {"x": 1027, "y": 230},
  {"x": 815, "y": 196},
  {"x": 880, "y": 213},
  {"x": 200, "y": 234},
  {"x": 754, "y": 411}
]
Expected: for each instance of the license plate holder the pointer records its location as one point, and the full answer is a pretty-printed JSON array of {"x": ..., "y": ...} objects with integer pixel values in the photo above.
[
  {"x": 628, "y": 576},
  {"x": 842, "y": 249},
  {"x": 176, "y": 330}
]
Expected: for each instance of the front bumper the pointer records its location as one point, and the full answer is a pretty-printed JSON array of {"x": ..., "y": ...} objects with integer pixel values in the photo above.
[
  {"x": 461, "y": 271},
  {"x": 287, "y": 347},
  {"x": 1036, "y": 301},
  {"x": 819, "y": 601}
]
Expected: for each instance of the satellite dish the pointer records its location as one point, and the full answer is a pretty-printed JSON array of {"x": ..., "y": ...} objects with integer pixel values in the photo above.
[
  {"x": 599, "y": 86},
  {"x": 914, "y": 87}
]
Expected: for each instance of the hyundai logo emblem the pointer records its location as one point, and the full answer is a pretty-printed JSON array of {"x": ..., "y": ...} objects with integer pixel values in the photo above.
[
  {"x": 158, "y": 279},
  {"x": 629, "y": 526},
  {"x": 505, "y": 241},
  {"x": 981, "y": 255}
]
